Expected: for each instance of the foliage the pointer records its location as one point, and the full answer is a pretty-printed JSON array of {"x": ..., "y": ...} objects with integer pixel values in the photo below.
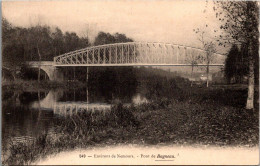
[
  {"x": 25, "y": 44},
  {"x": 240, "y": 22},
  {"x": 107, "y": 38},
  {"x": 12, "y": 46},
  {"x": 208, "y": 46},
  {"x": 236, "y": 64}
]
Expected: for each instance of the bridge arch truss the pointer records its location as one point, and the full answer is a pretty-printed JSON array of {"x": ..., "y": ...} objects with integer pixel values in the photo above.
[{"x": 137, "y": 54}]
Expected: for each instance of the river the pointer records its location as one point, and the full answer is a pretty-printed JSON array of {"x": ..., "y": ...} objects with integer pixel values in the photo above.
[{"x": 26, "y": 115}]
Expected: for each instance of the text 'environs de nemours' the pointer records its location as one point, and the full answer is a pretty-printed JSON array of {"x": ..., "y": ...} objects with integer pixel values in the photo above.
[{"x": 113, "y": 156}]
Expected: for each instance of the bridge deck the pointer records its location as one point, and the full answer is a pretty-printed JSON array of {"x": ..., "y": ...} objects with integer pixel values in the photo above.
[{"x": 136, "y": 64}]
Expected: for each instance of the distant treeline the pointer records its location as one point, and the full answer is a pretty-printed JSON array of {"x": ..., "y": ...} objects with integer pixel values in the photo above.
[
  {"x": 36, "y": 43},
  {"x": 42, "y": 43}
]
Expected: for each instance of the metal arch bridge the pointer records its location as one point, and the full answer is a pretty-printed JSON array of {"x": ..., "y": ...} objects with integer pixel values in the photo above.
[{"x": 136, "y": 54}]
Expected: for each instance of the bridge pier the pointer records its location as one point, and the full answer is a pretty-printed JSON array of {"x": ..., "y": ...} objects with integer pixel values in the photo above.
[
  {"x": 54, "y": 73},
  {"x": 57, "y": 75}
]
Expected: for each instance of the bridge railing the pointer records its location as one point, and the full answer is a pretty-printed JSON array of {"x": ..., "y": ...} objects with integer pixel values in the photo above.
[{"x": 41, "y": 63}]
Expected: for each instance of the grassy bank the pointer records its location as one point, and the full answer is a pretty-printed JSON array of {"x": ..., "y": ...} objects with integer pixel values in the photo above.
[
  {"x": 176, "y": 114},
  {"x": 211, "y": 118}
]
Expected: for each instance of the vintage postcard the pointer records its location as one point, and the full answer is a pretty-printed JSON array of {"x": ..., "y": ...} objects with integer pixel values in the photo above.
[{"x": 130, "y": 82}]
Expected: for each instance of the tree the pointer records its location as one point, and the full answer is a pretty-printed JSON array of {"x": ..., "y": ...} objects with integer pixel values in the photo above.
[
  {"x": 210, "y": 49},
  {"x": 230, "y": 63},
  {"x": 121, "y": 38},
  {"x": 73, "y": 42},
  {"x": 104, "y": 38},
  {"x": 235, "y": 64},
  {"x": 107, "y": 38},
  {"x": 242, "y": 64},
  {"x": 192, "y": 59},
  {"x": 12, "y": 47},
  {"x": 42, "y": 44},
  {"x": 58, "y": 42},
  {"x": 35, "y": 43},
  {"x": 240, "y": 21}
]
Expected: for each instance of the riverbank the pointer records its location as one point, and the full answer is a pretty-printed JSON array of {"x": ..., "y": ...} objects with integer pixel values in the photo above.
[
  {"x": 34, "y": 86},
  {"x": 205, "y": 117},
  {"x": 174, "y": 113}
]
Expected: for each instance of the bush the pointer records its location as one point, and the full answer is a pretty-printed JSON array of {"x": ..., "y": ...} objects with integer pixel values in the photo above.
[{"x": 123, "y": 116}]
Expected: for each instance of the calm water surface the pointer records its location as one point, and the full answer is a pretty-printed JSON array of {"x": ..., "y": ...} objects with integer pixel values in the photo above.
[{"x": 29, "y": 114}]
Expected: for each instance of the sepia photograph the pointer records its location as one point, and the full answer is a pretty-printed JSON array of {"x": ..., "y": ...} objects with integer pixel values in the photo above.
[{"x": 129, "y": 82}]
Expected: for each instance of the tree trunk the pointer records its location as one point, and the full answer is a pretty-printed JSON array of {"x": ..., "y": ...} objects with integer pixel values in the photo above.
[
  {"x": 87, "y": 75},
  {"x": 31, "y": 53},
  {"x": 74, "y": 74},
  {"x": 13, "y": 73},
  {"x": 191, "y": 75},
  {"x": 228, "y": 80},
  {"x": 39, "y": 67},
  {"x": 39, "y": 74},
  {"x": 251, "y": 83},
  {"x": 207, "y": 76},
  {"x": 39, "y": 109}
]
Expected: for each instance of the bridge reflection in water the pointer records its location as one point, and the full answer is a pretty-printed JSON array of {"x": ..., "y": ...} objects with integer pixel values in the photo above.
[
  {"x": 52, "y": 102},
  {"x": 71, "y": 108}
]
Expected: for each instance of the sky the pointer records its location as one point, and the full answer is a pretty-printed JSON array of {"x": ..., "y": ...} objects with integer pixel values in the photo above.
[{"x": 164, "y": 21}]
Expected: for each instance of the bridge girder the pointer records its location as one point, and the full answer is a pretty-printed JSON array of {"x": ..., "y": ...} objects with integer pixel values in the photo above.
[{"x": 138, "y": 54}]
